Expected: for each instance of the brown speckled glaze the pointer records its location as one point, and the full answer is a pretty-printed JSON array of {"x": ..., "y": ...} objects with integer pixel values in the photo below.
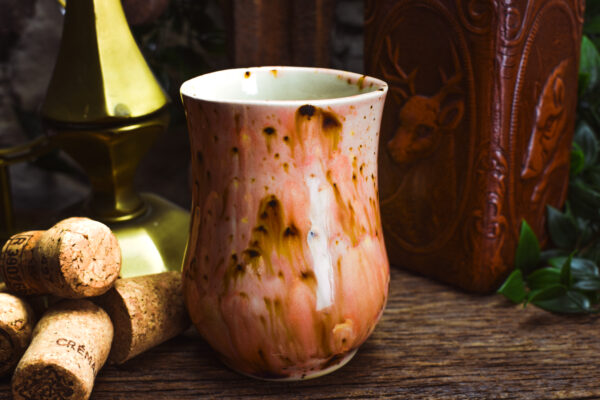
[{"x": 286, "y": 272}]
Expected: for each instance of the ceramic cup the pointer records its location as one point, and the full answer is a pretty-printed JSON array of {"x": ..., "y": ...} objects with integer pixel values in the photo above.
[{"x": 286, "y": 272}]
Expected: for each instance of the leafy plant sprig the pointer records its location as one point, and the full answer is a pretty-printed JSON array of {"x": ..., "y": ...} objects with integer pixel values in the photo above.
[
  {"x": 566, "y": 278},
  {"x": 565, "y": 284}
]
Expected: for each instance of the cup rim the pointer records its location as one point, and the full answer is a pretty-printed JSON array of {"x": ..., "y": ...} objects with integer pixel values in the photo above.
[{"x": 368, "y": 81}]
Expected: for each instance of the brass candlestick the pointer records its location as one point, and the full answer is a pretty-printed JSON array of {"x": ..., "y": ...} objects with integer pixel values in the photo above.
[{"x": 105, "y": 108}]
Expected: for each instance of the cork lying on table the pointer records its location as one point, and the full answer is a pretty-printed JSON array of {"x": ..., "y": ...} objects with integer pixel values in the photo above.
[
  {"x": 70, "y": 344},
  {"x": 76, "y": 258},
  {"x": 145, "y": 311},
  {"x": 16, "y": 325},
  {"x": 17, "y": 264}
]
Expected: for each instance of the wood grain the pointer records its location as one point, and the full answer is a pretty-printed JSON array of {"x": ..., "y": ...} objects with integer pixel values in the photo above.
[
  {"x": 275, "y": 32},
  {"x": 433, "y": 342}
]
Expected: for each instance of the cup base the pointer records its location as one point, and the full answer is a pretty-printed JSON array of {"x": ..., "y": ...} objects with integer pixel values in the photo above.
[{"x": 305, "y": 376}]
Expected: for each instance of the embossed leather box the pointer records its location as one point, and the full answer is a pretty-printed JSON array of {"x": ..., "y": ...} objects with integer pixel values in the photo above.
[{"x": 477, "y": 128}]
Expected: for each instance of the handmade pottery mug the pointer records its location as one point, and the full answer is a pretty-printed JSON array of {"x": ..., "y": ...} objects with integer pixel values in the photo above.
[{"x": 286, "y": 272}]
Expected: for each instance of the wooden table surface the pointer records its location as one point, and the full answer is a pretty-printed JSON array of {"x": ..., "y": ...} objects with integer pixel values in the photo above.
[{"x": 432, "y": 342}]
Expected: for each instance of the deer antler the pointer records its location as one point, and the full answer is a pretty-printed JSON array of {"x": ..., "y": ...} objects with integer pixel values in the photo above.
[
  {"x": 451, "y": 84},
  {"x": 399, "y": 77}
]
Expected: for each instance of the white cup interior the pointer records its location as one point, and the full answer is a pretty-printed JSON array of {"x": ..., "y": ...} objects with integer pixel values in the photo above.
[{"x": 279, "y": 84}]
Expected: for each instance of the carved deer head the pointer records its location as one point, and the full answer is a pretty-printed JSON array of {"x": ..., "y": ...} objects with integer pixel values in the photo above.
[{"x": 422, "y": 120}]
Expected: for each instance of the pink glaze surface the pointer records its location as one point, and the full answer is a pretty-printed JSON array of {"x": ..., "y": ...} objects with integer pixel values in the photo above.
[{"x": 286, "y": 270}]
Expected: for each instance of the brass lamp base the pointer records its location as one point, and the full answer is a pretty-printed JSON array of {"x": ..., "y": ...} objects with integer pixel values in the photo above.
[
  {"x": 151, "y": 243},
  {"x": 155, "y": 241},
  {"x": 105, "y": 108}
]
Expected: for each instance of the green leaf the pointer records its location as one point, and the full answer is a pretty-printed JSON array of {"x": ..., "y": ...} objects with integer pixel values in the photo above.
[
  {"x": 583, "y": 83},
  {"x": 592, "y": 176},
  {"x": 584, "y": 200},
  {"x": 547, "y": 293},
  {"x": 528, "y": 250},
  {"x": 587, "y": 142},
  {"x": 586, "y": 232},
  {"x": 589, "y": 66},
  {"x": 557, "y": 262},
  {"x": 581, "y": 299},
  {"x": 566, "y": 278},
  {"x": 553, "y": 253},
  {"x": 591, "y": 252},
  {"x": 594, "y": 298},
  {"x": 563, "y": 229},
  {"x": 513, "y": 287},
  {"x": 571, "y": 302},
  {"x": 543, "y": 277},
  {"x": 582, "y": 268},
  {"x": 591, "y": 284},
  {"x": 577, "y": 160}
]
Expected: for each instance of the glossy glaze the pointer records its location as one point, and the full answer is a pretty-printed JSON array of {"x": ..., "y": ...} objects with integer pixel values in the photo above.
[{"x": 286, "y": 271}]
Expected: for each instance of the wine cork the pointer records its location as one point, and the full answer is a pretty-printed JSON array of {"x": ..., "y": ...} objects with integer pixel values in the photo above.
[
  {"x": 16, "y": 326},
  {"x": 70, "y": 344},
  {"x": 17, "y": 264},
  {"x": 145, "y": 311},
  {"x": 76, "y": 258}
]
